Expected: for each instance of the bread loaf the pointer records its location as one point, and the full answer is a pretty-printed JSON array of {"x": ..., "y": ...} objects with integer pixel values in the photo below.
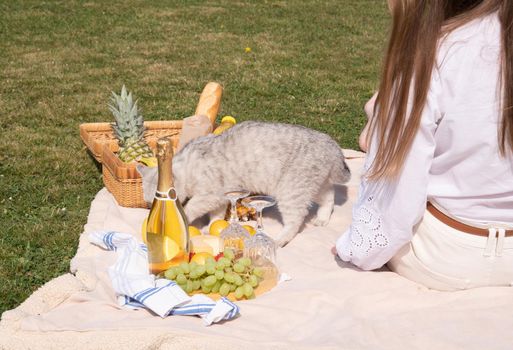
[{"x": 210, "y": 101}]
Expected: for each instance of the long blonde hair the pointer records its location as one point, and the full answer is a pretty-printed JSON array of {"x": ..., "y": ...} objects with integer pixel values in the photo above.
[{"x": 410, "y": 57}]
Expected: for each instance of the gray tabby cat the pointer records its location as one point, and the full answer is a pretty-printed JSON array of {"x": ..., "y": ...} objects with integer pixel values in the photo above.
[{"x": 294, "y": 164}]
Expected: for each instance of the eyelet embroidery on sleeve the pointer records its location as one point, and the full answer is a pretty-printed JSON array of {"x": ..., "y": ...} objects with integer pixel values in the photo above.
[
  {"x": 361, "y": 243},
  {"x": 367, "y": 229},
  {"x": 380, "y": 240}
]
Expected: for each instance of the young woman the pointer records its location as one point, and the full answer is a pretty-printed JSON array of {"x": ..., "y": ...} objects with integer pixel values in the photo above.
[{"x": 436, "y": 199}]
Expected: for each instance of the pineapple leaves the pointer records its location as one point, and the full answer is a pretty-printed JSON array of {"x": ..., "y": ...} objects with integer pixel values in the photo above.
[{"x": 128, "y": 127}]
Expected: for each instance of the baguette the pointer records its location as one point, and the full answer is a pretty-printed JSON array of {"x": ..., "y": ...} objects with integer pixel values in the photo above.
[{"x": 210, "y": 101}]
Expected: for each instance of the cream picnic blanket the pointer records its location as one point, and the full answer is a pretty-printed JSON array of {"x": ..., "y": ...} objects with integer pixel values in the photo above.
[{"x": 326, "y": 305}]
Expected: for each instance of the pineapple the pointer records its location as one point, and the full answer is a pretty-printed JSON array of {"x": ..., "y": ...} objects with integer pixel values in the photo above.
[{"x": 128, "y": 128}]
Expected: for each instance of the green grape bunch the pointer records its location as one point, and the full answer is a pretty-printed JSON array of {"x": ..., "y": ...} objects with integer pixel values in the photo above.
[{"x": 224, "y": 276}]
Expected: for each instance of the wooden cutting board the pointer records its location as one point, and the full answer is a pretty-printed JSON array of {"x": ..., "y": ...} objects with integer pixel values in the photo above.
[{"x": 269, "y": 282}]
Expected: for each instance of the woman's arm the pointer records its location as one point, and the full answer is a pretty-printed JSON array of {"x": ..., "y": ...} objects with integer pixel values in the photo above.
[{"x": 387, "y": 211}]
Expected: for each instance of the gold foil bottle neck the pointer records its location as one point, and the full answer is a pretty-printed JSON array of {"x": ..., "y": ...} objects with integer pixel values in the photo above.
[
  {"x": 164, "y": 148},
  {"x": 164, "y": 158}
]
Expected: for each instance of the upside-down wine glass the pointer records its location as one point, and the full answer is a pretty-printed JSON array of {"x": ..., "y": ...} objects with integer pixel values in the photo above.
[
  {"x": 234, "y": 235},
  {"x": 260, "y": 248}
]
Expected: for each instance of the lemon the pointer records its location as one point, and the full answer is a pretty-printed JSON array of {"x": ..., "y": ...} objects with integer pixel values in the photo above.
[
  {"x": 217, "y": 226},
  {"x": 194, "y": 231},
  {"x": 148, "y": 161},
  {"x": 227, "y": 122},
  {"x": 250, "y": 229},
  {"x": 200, "y": 258},
  {"x": 228, "y": 119},
  {"x": 143, "y": 230},
  {"x": 173, "y": 256},
  {"x": 170, "y": 248}
]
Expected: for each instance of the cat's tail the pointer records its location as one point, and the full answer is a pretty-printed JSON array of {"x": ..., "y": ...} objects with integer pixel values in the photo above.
[{"x": 340, "y": 172}]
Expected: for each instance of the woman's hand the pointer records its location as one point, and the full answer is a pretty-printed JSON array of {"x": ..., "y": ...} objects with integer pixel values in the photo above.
[
  {"x": 369, "y": 111},
  {"x": 334, "y": 251}
]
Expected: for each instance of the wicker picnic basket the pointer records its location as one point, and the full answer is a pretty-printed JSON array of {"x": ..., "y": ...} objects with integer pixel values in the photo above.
[{"x": 122, "y": 179}]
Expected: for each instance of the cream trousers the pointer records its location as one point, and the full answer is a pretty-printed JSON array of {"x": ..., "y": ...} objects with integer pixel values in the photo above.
[{"x": 442, "y": 258}]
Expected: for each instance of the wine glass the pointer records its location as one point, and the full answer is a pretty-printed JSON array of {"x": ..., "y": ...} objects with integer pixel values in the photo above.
[
  {"x": 260, "y": 248},
  {"x": 234, "y": 235}
]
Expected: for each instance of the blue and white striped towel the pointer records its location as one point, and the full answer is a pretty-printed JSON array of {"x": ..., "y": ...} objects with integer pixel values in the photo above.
[{"x": 137, "y": 288}]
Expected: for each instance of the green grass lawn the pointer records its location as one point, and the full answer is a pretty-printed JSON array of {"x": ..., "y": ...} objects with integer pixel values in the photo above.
[{"x": 313, "y": 63}]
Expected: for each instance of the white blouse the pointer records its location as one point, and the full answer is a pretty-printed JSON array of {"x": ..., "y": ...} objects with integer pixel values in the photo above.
[{"x": 454, "y": 160}]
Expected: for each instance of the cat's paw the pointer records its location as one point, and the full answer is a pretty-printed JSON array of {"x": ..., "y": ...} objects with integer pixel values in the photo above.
[
  {"x": 289, "y": 232},
  {"x": 321, "y": 221},
  {"x": 282, "y": 242}
]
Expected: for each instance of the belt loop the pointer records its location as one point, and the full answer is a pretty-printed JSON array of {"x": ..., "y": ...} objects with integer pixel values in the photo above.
[
  {"x": 490, "y": 242},
  {"x": 500, "y": 242}
]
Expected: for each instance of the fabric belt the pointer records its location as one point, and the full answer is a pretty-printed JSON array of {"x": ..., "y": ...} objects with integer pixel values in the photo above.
[{"x": 459, "y": 225}]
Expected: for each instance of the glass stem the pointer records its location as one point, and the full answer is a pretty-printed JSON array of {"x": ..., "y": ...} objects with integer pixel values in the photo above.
[
  {"x": 233, "y": 211},
  {"x": 260, "y": 226}
]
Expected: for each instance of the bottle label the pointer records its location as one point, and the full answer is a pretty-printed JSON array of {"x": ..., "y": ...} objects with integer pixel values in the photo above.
[{"x": 169, "y": 194}]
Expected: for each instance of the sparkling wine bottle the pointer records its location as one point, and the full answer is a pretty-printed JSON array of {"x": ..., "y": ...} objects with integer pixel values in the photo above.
[{"x": 167, "y": 231}]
